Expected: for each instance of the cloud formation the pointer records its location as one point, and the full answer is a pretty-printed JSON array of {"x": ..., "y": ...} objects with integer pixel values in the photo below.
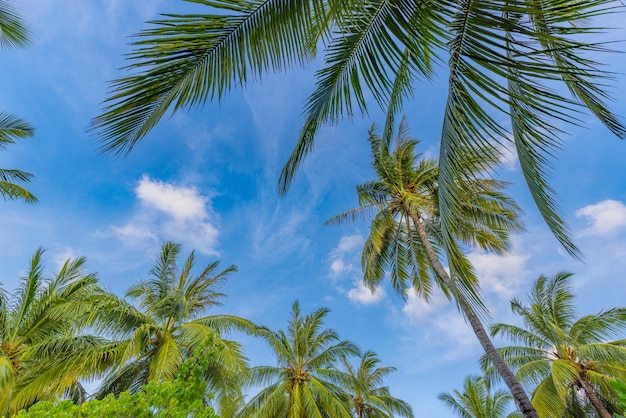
[
  {"x": 502, "y": 275},
  {"x": 345, "y": 255},
  {"x": 168, "y": 211},
  {"x": 603, "y": 218},
  {"x": 364, "y": 296},
  {"x": 416, "y": 308}
]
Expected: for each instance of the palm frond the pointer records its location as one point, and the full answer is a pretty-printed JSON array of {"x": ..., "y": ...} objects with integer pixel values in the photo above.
[{"x": 13, "y": 32}]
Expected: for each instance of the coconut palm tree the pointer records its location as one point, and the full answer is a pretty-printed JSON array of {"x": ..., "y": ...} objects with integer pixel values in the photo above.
[
  {"x": 304, "y": 383},
  {"x": 369, "y": 398},
  {"x": 405, "y": 236},
  {"x": 570, "y": 361},
  {"x": 168, "y": 325},
  {"x": 503, "y": 58},
  {"x": 13, "y": 33},
  {"x": 40, "y": 337},
  {"x": 476, "y": 400}
]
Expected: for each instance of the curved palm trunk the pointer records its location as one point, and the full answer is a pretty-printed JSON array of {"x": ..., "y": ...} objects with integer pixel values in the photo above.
[
  {"x": 595, "y": 401},
  {"x": 520, "y": 396}
]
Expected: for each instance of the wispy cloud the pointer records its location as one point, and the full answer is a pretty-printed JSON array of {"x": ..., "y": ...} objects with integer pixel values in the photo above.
[
  {"x": 501, "y": 275},
  {"x": 344, "y": 264},
  {"x": 603, "y": 218},
  {"x": 416, "y": 308},
  {"x": 343, "y": 257},
  {"x": 364, "y": 296}
]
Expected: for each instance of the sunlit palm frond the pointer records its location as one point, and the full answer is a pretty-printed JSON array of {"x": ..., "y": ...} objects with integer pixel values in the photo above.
[
  {"x": 185, "y": 60},
  {"x": 13, "y": 32}
]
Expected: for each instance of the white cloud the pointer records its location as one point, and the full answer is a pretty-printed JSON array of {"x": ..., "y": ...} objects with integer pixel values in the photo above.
[
  {"x": 502, "y": 275},
  {"x": 364, "y": 296},
  {"x": 603, "y": 218},
  {"x": 417, "y": 308},
  {"x": 182, "y": 203},
  {"x": 349, "y": 243},
  {"x": 508, "y": 157},
  {"x": 344, "y": 257},
  {"x": 177, "y": 213},
  {"x": 61, "y": 255}
]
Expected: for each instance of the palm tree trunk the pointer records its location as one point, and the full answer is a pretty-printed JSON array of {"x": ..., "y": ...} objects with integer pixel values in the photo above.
[
  {"x": 520, "y": 396},
  {"x": 595, "y": 401}
]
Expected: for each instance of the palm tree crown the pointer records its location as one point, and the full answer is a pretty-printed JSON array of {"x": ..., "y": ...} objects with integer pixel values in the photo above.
[
  {"x": 369, "y": 398},
  {"x": 403, "y": 202},
  {"x": 476, "y": 400},
  {"x": 569, "y": 360},
  {"x": 304, "y": 383},
  {"x": 40, "y": 336},
  {"x": 168, "y": 326}
]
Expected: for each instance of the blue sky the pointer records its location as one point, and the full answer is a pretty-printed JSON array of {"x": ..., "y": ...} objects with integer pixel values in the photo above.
[{"x": 207, "y": 179}]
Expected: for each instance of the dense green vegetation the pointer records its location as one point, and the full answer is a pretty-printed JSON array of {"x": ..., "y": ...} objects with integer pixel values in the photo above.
[{"x": 182, "y": 397}]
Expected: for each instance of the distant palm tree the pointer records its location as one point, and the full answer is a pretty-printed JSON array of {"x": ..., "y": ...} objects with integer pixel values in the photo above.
[
  {"x": 40, "y": 337},
  {"x": 476, "y": 400},
  {"x": 405, "y": 236},
  {"x": 304, "y": 383},
  {"x": 169, "y": 325},
  {"x": 13, "y": 33},
  {"x": 369, "y": 398},
  {"x": 571, "y": 361}
]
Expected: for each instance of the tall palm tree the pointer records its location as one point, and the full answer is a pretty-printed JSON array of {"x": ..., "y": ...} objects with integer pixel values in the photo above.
[
  {"x": 476, "y": 400},
  {"x": 13, "y": 33},
  {"x": 406, "y": 238},
  {"x": 569, "y": 360},
  {"x": 503, "y": 58},
  {"x": 40, "y": 335},
  {"x": 168, "y": 325},
  {"x": 369, "y": 398},
  {"x": 304, "y": 383}
]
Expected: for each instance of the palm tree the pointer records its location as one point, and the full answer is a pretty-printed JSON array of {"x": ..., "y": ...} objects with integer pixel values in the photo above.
[
  {"x": 304, "y": 382},
  {"x": 406, "y": 239},
  {"x": 503, "y": 59},
  {"x": 156, "y": 337},
  {"x": 13, "y": 33},
  {"x": 40, "y": 337},
  {"x": 476, "y": 400},
  {"x": 369, "y": 398},
  {"x": 569, "y": 360}
]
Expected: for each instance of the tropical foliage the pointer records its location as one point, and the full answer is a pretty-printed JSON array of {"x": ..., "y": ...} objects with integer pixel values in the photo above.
[
  {"x": 41, "y": 354},
  {"x": 571, "y": 361},
  {"x": 477, "y": 401},
  {"x": 504, "y": 60},
  {"x": 182, "y": 397},
  {"x": 370, "y": 399},
  {"x": 168, "y": 325},
  {"x": 304, "y": 383},
  {"x": 405, "y": 236},
  {"x": 13, "y": 33}
]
